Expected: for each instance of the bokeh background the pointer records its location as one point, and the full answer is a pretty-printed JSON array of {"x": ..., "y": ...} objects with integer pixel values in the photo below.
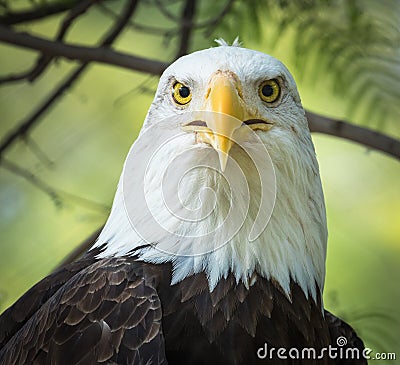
[{"x": 344, "y": 56}]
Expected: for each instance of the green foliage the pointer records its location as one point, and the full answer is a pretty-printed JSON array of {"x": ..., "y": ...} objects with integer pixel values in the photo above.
[{"x": 355, "y": 42}]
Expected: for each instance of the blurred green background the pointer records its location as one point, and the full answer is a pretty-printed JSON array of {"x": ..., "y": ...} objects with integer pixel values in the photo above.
[{"x": 87, "y": 135}]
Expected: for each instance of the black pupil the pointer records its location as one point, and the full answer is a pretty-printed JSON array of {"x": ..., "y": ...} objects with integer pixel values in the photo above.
[
  {"x": 267, "y": 90},
  {"x": 184, "y": 91}
]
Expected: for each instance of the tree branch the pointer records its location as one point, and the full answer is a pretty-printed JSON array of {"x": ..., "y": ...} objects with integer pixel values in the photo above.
[
  {"x": 44, "y": 60},
  {"x": 84, "y": 54},
  {"x": 362, "y": 135},
  {"x": 45, "y": 9},
  {"x": 25, "y": 126},
  {"x": 186, "y": 29}
]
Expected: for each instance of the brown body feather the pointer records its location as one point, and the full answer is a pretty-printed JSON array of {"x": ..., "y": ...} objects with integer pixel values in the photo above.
[{"x": 121, "y": 311}]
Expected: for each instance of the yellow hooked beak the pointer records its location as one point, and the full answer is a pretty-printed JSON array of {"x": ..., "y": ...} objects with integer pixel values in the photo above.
[
  {"x": 223, "y": 113},
  {"x": 225, "y": 101},
  {"x": 227, "y": 112}
]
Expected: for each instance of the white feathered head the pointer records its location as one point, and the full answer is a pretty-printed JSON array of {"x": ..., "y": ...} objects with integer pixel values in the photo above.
[{"x": 223, "y": 176}]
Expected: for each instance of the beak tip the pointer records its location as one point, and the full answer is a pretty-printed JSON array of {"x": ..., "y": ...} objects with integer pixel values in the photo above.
[{"x": 223, "y": 160}]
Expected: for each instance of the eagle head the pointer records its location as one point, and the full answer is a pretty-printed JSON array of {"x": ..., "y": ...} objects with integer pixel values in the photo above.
[{"x": 223, "y": 177}]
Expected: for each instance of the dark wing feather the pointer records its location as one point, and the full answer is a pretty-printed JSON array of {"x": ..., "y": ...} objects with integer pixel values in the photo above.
[
  {"x": 108, "y": 312},
  {"x": 339, "y": 328},
  {"x": 17, "y": 315}
]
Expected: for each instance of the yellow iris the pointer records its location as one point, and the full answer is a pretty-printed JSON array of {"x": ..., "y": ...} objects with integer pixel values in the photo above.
[
  {"x": 269, "y": 91},
  {"x": 181, "y": 94}
]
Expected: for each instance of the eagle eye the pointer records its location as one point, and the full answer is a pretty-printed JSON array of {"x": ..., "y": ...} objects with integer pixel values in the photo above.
[
  {"x": 269, "y": 91},
  {"x": 181, "y": 93}
]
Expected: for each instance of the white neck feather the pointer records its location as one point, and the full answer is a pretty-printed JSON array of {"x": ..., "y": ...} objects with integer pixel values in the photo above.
[{"x": 291, "y": 247}]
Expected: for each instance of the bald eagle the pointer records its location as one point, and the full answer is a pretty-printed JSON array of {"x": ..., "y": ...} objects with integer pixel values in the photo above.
[{"x": 214, "y": 251}]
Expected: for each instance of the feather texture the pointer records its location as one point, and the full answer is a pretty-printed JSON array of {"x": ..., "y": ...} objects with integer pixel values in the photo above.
[{"x": 123, "y": 311}]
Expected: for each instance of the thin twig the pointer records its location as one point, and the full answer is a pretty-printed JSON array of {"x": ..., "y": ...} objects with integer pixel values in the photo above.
[
  {"x": 150, "y": 29},
  {"x": 188, "y": 21},
  {"x": 120, "y": 24},
  {"x": 365, "y": 136},
  {"x": 166, "y": 12},
  {"x": 212, "y": 23},
  {"x": 17, "y": 76},
  {"x": 37, "y": 151},
  {"x": 188, "y": 14},
  {"x": 80, "y": 249},
  {"x": 32, "y": 179},
  {"x": 56, "y": 195},
  {"x": 142, "y": 88},
  {"x": 78, "y": 10},
  {"x": 44, "y": 60},
  {"x": 44, "y": 10},
  {"x": 84, "y": 202},
  {"x": 215, "y": 20}
]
